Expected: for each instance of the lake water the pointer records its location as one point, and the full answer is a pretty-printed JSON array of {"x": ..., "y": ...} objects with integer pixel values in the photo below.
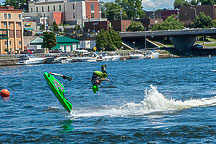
[{"x": 147, "y": 101}]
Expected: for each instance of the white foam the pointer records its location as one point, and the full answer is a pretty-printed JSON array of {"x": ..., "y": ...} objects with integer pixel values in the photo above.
[{"x": 153, "y": 102}]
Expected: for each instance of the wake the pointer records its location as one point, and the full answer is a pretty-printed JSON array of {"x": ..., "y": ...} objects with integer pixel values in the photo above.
[{"x": 152, "y": 102}]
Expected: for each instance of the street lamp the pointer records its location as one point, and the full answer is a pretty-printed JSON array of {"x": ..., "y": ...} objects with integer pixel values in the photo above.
[
  {"x": 134, "y": 45},
  {"x": 105, "y": 11}
]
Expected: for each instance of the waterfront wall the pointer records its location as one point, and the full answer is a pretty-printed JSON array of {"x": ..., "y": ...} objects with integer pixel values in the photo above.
[{"x": 7, "y": 62}]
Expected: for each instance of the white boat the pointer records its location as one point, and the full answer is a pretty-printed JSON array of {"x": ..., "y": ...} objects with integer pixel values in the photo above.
[
  {"x": 84, "y": 59},
  {"x": 28, "y": 60},
  {"x": 152, "y": 55},
  {"x": 110, "y": 58},
  {"x": 155, "y": 55},
  {"x": 137, "y": 56}
]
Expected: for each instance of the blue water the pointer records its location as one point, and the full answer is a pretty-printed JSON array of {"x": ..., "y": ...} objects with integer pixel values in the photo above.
[{"x": 146, "y": 101}]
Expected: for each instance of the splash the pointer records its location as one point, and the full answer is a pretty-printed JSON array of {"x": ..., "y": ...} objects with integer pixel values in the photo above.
[{"x": 154, "y": 101}]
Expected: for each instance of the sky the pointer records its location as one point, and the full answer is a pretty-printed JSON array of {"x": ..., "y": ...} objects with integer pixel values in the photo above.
[{"x": 150, "y": 4}]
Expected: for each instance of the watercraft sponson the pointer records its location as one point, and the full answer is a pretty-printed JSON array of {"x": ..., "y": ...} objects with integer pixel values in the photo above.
[{"x": 58, "y": 90}]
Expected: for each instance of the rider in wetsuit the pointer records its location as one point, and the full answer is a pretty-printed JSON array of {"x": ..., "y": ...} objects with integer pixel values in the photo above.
[{"x": 98, "y": 77}]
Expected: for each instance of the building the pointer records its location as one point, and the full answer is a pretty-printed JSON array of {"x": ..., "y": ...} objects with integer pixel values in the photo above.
[
  {"x": 96, "y": 26},
  {"x": 166, "y": 13},
  {"x": 29, "y": 28},
  {"x": 11, "y": 19},
  {"x": 188, "y": 13},
  {"x": 120, "y": 25},
  {"x": 71, "y": 12},
  {"x": 48, "y": 11},
  {"x": 75, "y": 12},
  {"x": 148, "y": 22},
  {"x": 64, "y": 44},
  {"x": 161, "y": 14}
]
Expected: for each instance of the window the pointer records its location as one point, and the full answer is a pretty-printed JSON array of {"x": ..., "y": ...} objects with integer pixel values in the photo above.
[
  {"x": 53, "y": 8},
  {"x": 42, "y": 9},
  {"x": 48, "y": 9},
  {"x": 9, "y": 16},
  {"x": 10, "y": 43},
  {"x": 92, "y": 6},
  {"x": 19, "y": 24},
  {"x": 59, "y": 7},
  {"x": 5, "y": 24},
  {"x": 20, "y": 43},
  {"x": 5, "y": 43},
  {"x": 9, "y": 24},
  {"x": 31, "y": 9},
  {"x": 92, "y": 15},
  {"x": 36, "y": 9},
  {"x": 73, "y": 6},
  {"x": 5, "y": 16},
  {"x": 20, "y": 16},
  {"x": 74, "y": 16}
]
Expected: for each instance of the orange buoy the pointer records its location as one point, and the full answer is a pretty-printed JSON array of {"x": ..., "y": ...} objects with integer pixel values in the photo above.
[{"x": 5, "y": 93}]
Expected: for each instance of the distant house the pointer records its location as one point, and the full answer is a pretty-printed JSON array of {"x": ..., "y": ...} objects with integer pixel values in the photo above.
[{"x": 64, "y": 44}]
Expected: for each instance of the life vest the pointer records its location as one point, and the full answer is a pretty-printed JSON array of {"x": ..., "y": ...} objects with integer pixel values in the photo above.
[{"x": 101, "y": 74}]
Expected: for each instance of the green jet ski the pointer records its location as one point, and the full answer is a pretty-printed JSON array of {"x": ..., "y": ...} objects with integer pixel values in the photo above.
[{"x": 58, "y": 90}]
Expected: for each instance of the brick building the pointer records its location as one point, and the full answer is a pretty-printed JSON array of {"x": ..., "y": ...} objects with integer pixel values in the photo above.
[
  {"x": 161, "y": 14},
  {"x": 120, "y": 25},
  {"x": 11, "y": 19},
  {"x": 188, "y": 13},
  {"x": 166, "y": 13},
  {"x": 148, "y": 22},
  {"x": 96, "y": 26}
]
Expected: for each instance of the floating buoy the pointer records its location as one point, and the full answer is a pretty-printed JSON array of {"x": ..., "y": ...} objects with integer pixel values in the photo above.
[{"x": 5, "y": 93}]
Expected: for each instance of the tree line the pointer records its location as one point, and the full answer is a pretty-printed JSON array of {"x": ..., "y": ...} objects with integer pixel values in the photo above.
[{"x": 178, "y": 3}]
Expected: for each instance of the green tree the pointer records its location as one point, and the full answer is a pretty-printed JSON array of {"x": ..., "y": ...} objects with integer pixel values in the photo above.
[
  {"x": 113, "y": 11},
  {"x": 55, "y": 27},
  {"x": 49, "y": 40},
  {"x": 6, "y": 50},
  {"x": 207, "y": 2},
  {"x": 109, "y": 41},
  {"x": 194, "y": 2},
  {"x": 133, "y": 8},
  {"x": 171, "y": 23},
  {"x": 203, "y": 21},
  {"x": 77, "y": 27},
  {"x": 116, "y": 40},
  {"x": 135, "y": 26},
  {"x": 179, "y": 3},
  {"x": 102, "y": 40},
  {"x": 42, "y": 27},
  {"x": 15, "y": 3}
]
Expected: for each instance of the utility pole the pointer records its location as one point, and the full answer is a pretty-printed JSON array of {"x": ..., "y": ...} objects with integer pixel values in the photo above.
[{"x": 145, "y": 37}]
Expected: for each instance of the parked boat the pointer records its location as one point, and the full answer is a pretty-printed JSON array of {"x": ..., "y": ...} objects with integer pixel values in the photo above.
[
  {"x": 26, "y": 59},
  {"x": 137, "y": 56},
  {"x": 84, "y": 59},
  {"x": 106, "y": 57},
  {"x": 152, "y": 55},
  {"x": 52, "y": 60}
]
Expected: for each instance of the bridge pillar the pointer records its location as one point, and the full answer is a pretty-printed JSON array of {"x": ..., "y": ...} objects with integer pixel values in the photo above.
[{"x": 183, "y": 43}]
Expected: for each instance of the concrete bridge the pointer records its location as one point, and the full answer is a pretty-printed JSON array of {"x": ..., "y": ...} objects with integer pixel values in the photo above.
[{"x": 183, "y": 40}]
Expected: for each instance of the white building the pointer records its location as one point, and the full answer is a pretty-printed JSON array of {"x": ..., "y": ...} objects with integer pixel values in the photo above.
[{"x": 64, "y": 11}]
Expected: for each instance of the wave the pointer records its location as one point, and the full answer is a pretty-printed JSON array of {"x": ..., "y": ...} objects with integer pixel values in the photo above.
[{"x": 153, "y": 102}]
